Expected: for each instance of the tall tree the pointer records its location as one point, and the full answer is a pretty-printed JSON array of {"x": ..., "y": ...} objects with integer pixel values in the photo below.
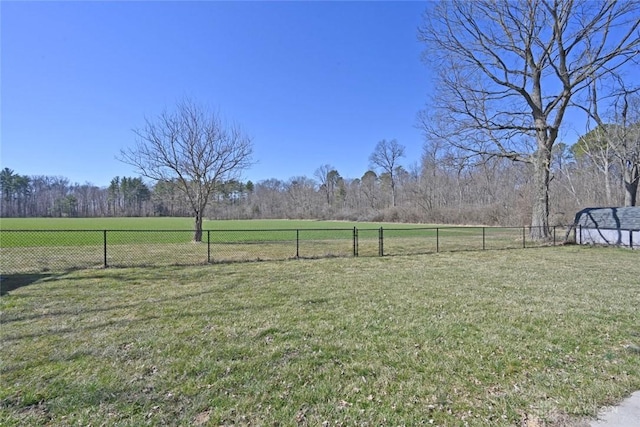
[
  {"x": 115, "y": 199},
  {"x": 386, "y": 156},
  {"x": 193, "y": 146},
  {"x": 594, "y": 146},
  {"x": 616, "y": 139},
  {"x": 368, "y": 187},
  {"x": 301, "y": 195},
  {"x": 7, "y": 184},
  {"x": 16, "y": 190},
  {"x": 628, "y": 149},
  {"x": 507, "y": 71},
  {"x": 329, "y": 179}
]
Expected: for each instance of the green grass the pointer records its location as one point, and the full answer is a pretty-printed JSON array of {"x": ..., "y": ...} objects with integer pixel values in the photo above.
[
  {"x": 89, "y": 231},
  {"x": 72, "y": 244},
  {"x": 166, "y": 223},
  {"x": 155, "y": 223},
  {"x": 39, "y": 232},
  {"x": 477, "y": 338}
]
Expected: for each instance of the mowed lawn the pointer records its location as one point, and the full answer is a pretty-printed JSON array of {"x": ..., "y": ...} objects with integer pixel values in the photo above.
[
  {"x": 185, "y": 224},
  {"x": 26, "y": 232},
  {"x": 546, "y": 335}
]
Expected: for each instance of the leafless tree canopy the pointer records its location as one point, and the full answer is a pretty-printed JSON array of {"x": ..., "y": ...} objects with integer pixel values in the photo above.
[
  {"x": 507, "y": 71},
  {"x": 386, "y": 156},
  {"x": 614, "y": 143},
  {"x": 192, "y": 146}
]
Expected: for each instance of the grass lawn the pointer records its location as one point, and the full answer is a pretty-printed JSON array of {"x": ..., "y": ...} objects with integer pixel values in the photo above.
[
  {"x": 89, "y": 231},
  {"x": 455, "y": 338},
  {"x": 173, "y": 223}
]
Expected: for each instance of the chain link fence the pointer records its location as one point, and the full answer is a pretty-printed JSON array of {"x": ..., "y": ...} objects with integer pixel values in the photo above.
[{"x": 28, "y": 251}]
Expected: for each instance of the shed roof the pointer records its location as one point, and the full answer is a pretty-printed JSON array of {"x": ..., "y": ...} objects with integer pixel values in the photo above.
[{"x": 624, "y": 218}]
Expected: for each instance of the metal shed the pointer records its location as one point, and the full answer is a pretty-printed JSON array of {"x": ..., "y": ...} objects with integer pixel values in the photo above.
[{"x": 609, "y": 226}]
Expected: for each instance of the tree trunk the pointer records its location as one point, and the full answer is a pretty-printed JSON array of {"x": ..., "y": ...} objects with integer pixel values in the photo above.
[
  {"x": 393, "y": 193},
  {"x": 631, "y": 181},
  {"x": 607, "y": 181},
  {"x": 197, "y": 237},
  {"x": 540, "y": 214}
]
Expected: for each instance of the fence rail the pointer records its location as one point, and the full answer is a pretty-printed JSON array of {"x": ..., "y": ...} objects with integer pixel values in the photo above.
[{"x": 26, "y": 251}]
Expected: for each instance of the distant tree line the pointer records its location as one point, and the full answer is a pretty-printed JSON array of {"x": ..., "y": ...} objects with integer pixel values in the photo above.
[{"x": 440, "y": 188}]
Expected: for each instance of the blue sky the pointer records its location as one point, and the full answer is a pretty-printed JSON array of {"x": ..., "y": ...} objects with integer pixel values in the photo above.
[{"x": 313, "y": 83}]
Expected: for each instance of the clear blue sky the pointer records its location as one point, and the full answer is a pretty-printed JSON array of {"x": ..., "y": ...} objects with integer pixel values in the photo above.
[{"x": 312, "y": 82}]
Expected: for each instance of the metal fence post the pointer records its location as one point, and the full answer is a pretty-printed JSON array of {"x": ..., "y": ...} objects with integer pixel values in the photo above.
[
  {"x": 355, "y": 241},
  {"x": 104, "y": 239},
  {"x": 437, "y": 240},
  {"x": 524, "y": 239},
  {"x": 554, "y": 235},
  {"x": 297, "y": 243},
  {"x": 380, "y": 242},
  {"x": 483, "y": 239},
  {"x": 208, "y": 246}
]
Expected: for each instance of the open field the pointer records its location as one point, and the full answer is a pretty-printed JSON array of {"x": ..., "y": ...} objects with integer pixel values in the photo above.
[
  {"x": 88, "y": 231},
  {"x": 455, "y": 338},
  {"x": 166, "y": 223},
  {"x": 40, "y": 245}
]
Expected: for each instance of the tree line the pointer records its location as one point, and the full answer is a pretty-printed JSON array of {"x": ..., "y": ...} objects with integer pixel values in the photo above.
[
  {"x": 439, "y": 188},
  {"x": 506, "y": 74}
]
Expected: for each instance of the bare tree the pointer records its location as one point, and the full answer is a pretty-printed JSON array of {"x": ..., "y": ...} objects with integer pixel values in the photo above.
[
  {"x": 386, "y": 156},
  {"x": 328, "y": 177},
  {"x": 301, "y": 194},
  {"x": 193, "y": 147},
  {"x": 368, "y": 186},
  {"x": 616, "y": 138},
  {"x": 628, "y": 147},
  {"x": 507, "y": 71},
  {"x": 594, "y": 145}
]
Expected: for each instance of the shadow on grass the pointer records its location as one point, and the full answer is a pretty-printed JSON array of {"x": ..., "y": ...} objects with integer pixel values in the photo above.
[
  {"x": 11, "y": 282},
  {"x": 126, "y": 323},
  {"x": 16, "y": 281}
]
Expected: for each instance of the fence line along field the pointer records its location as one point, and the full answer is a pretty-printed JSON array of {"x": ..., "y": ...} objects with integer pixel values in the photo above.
[
  {"x": 32, "y": 245},
  {"x": 498, "y": 338}
]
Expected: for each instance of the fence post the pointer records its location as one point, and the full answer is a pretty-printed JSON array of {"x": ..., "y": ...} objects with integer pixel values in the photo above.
[
  {"x": 104, "y": 239},
  {"x": 355, "y": 241},
  {"x": 483, "y": 239},
  {"x": 297, "y": 243},
  {"x": 554, "y": 235},
  {"x": 380, "y": 242},
  {"x": 437, "y": 239},
  {"x": 208, "y": 246},
  {"x": 524, "y": 239}
]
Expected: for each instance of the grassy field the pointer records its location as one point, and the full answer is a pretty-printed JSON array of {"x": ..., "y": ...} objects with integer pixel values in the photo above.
[
  {"x": 61, "y": 244},
  {"x": 89, "y": 231},
  {"x": 166, "y": 223},
  {"x": 457, "y": 338},
  {"x": 45, "y": 245}
]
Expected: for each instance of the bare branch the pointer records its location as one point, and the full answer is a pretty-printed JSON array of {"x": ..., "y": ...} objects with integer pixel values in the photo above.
[
  {"x": 508, "y": 70},
  {"x": 193, "y": 146}
]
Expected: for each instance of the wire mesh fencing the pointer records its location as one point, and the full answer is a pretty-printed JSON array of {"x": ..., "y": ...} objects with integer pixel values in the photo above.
[{"x": 26, "y": 251}]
